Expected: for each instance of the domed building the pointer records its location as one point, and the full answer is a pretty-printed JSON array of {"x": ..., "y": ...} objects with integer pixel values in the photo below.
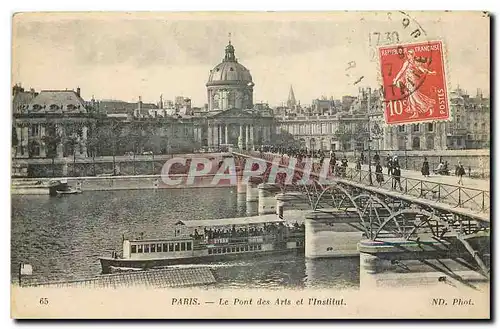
[
  {"x": 231, "y": 118},
  {"x": 229, "y": 84}
]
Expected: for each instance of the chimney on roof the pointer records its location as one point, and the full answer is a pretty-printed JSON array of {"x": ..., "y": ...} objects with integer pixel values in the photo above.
[
  {"x": 479, "y": 93},
  {"x": 78, "y": 91},
  {"x": 140, "y": 104},
  {"x": 17, "y": 89}
]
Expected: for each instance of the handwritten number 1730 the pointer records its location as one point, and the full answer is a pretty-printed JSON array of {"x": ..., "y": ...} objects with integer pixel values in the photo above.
[{"x": 379, "y": 38}]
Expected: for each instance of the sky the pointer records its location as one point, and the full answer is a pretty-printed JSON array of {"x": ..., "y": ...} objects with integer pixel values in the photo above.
[{"x": 127, "y": 55}]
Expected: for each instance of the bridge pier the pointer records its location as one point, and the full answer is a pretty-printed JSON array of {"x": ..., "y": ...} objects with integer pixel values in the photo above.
[
  {"x": 252, "y": 191},
  {"x": 398, "y": 262},
  {"x": 267, "y": 200},
  {"x": 330, "y": 234},
  {"x": 241, "y": 188},
  {"x": 292, "y": 201}
]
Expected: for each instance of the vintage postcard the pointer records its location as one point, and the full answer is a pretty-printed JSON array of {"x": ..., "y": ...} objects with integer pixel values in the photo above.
[{"x": 228, "y": 165}]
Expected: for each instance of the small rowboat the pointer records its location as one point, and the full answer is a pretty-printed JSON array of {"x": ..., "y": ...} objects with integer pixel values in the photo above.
[{"x": 69, "y": 191}]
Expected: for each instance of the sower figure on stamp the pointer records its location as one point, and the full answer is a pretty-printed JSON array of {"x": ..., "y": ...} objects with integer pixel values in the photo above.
[{"x": 409, "y": 77}]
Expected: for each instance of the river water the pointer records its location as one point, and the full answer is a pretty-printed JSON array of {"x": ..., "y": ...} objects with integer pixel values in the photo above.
[{"x": 61, "y": 237}]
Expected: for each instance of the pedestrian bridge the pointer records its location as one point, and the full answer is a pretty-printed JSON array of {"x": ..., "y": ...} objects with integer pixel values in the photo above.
[{"x": 452, "y": 219}]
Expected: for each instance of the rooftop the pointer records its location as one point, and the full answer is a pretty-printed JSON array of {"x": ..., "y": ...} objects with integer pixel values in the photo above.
[{"x": 254, "y": 220}]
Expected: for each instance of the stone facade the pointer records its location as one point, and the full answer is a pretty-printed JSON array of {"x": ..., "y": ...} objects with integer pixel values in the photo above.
[
  {"x": 332, "y": 125},
  {"x": 53, "y": 124}
]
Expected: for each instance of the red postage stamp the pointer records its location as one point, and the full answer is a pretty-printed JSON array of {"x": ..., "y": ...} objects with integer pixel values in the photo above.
[{"x": 414, "y": 83}]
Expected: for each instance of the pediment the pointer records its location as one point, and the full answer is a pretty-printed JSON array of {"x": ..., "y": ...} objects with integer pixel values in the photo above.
[{"x": 234, "y": 113}]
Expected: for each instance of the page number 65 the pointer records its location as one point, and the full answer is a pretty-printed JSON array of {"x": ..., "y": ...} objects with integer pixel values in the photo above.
[{"x": 44, "y": 301}]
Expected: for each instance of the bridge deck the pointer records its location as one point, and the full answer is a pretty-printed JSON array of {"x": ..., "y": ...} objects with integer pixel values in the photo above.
[
  {"x": 482, "y": 216},
  {"x": 480, "y": 184},
  {"x": 438, "y": 205}
]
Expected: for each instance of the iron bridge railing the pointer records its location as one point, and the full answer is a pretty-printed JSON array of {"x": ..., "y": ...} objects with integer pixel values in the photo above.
[{"x": 456, "y": 196}]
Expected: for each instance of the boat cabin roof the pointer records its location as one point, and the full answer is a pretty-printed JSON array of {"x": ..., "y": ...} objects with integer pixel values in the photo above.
[{"x": 240, "y": 221}]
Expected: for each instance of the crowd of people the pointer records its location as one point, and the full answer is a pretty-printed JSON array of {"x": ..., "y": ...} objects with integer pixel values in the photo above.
[
  {"x": 339, "y": 167},
  {"x": 443, "y": 169},
  {"x": 243, "y": 232},
  {"x": 293, "y": 151}
]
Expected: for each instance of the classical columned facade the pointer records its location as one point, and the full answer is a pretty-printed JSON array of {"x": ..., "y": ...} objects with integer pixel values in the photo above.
[
  {"x": 52, "y": 136},
  {"x": 326, "y": 132},
  {"x": 52, "y": 124},
  {"x": 242, "y": 129}
]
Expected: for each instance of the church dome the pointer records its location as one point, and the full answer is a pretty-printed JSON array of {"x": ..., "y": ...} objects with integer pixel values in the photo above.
[{"x": 229, "y": 71}]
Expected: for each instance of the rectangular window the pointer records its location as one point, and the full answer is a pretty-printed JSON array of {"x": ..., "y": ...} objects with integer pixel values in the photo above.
[
  {"x": 246, "y": 248},
  {"x": 177, "y": 246},
  {"x": 224, "y": 250},
  {"x": 183, "y": 246},
  {"x": 219, "y": 250},
  {"x": 188, "y": 246},
  {"x": 165, "y": 247},
  {"x": 139, "y": 248},
  {"x": 170, "y": 247},
  {"x": 209, "y": 251},
  {"x": 401, "y": 129},
  {"x": 158, "y": 247},
  {"x": 233, "y": 249},
  {"x": 146, "y": 248},
  {"x": 34, "y": 130},
  {"x": 416, "y": 128},
  {"x": 430, "y": 126},
  {"x": 259, "y": 247},
  {"x": 251, "y": 248},
  {"x": 153, "y": 247},
  {"x": 133, "y": 249},
  {"x": 237, "y": 249}
]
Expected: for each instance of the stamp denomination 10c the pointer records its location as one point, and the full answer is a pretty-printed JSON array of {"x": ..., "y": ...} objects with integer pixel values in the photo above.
[{"x": 414, "y": 83}]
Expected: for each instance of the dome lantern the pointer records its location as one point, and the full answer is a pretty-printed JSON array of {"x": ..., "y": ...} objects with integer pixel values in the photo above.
[{"x": 230, "y": 53}]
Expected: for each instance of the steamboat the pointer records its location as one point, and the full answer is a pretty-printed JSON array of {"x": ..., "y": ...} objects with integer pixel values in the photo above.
[{"x": 204, "y": 241}]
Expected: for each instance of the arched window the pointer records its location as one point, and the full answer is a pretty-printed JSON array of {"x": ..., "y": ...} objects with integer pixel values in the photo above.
[
  {"x": 401, "y": 143},
  {"x": 312, "y": 143},
  {"x": 415, "y": 145},
  {"x": 429, "y": 143}
]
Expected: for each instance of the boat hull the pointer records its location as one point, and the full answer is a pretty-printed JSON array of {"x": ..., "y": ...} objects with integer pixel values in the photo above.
[
  {"x": 107, "y": 263},
  {"x": 69, "y": 192}
]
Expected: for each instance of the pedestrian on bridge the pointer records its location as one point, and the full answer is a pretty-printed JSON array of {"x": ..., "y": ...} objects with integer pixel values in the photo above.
[
  {"x": 379, "y": 174},
  {"x": 425, "y": 168},
  {"x": 389, "y": 166},
  {"x": 358, "y": 165},
  {"x": 460, "y": 173},
  {"x": 396, "y": 177}
]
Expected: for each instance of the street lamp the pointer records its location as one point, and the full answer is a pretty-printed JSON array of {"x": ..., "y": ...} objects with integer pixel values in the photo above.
[
  {"x": 406, "y": 155},
  {"x": 370, "y": 180}
]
